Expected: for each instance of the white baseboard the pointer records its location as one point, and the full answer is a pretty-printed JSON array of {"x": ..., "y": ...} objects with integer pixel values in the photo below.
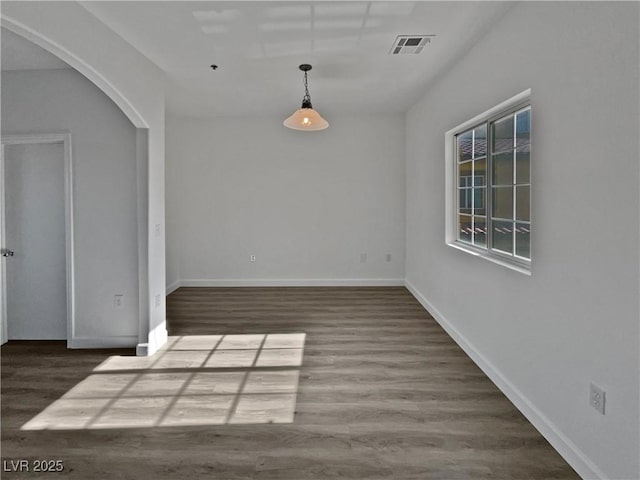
[
  {"x": 173, "y": 287},
  {"x": 157, "y": 337},
  {"x": 295, "y": 282},
  {"x": 142, "y": 350},
  {"x": 103, "y": 342},
  {"x": 563, "y": 445}
]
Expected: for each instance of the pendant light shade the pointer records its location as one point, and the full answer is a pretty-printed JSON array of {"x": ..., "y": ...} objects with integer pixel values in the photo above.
[{"x": 306, "y": 118}]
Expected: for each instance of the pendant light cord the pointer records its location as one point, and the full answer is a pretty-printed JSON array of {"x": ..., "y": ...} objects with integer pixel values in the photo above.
[{"x": 307, "y": 97}]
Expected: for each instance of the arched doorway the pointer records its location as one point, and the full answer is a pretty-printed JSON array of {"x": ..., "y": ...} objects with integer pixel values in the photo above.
[{"x": 143, "y": 104}]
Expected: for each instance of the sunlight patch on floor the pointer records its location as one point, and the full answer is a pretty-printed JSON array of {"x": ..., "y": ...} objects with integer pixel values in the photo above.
[{"x": 192, "y": 380}]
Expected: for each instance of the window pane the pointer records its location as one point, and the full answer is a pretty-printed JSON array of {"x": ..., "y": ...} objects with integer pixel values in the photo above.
[
  {"x": 503, "y": 236},
  {"x": 522, "y": 165},
  {"x": 464, "y": 228},
  {"x": 502, "y": 206},
  {"x": 480, "y": 143},
  {"x": 503, "y": 134},
  {"x": 479, "y": 206},
  {"x": 480, "y": 173},
  {"x": 465, "y": 146},
  {"x": 465, "y": 201},
  {"x": 523, "y": 248},
  {"x": 523, "y": 127},
  {"x": 503, "y": 169},
  {"x": 480, "y": 231},
  {"x": 464, "y": 174},
  {"x": 523, "y": 203},
  {"x": 493, "y": 162}
]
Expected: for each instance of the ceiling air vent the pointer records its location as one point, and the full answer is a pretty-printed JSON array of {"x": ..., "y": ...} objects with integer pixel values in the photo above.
[{"x": 410, "y": 44}]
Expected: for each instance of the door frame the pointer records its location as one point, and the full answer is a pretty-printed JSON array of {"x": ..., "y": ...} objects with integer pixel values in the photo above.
[{"x": 65, "y": 139}]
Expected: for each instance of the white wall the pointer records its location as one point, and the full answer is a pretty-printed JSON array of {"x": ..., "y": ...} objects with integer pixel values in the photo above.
[
  {"x": 136, "y": 85},
  {"x": 544, "y": 337},
  {"x": 103, "y": 143},
  {"x": 307, "y": 204}
]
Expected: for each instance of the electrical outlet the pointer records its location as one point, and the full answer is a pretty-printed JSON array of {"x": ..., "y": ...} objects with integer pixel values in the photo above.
[
  {"x": 252, "y": 258},
  {"x": 363, "y": 258},
  {"x": 597, "y": 398},
  {"x": 158, "y": 229},
  {"x": 118, "y": 302},
  {"x": 158, "y": 300},
  {"x": 388, "y": 257}
]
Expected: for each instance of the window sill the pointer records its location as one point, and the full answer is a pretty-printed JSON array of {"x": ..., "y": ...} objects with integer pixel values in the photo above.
[{"x": 491, "y": 258}]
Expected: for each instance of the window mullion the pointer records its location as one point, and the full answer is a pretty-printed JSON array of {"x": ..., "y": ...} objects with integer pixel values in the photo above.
[
  {"x": 473, "y": 168},
  {"x": 489, "y": 182},
  {"x": 513, "y": 188}
]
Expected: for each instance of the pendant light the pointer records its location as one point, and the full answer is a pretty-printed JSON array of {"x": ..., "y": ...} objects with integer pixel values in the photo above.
[{"x": 306, "y": 118}]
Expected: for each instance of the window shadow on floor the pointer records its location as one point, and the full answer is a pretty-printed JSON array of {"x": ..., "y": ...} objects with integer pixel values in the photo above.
[{"x": 192, "y": 380}]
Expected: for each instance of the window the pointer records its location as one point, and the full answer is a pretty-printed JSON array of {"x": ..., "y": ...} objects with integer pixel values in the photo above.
[{"x": 490, "y": 214}]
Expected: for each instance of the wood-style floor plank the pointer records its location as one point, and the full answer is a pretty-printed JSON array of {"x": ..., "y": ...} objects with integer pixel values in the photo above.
[{"x": 382, "y": 393}]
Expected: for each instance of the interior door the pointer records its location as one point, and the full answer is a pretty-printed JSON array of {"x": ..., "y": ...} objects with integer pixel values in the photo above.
[{"x": 34, "y": 246}]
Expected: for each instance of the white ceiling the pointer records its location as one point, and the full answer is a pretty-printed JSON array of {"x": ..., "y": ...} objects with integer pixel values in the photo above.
[
  {"x": 20, "y": 54},
  {"x": 259, "y": 45}
]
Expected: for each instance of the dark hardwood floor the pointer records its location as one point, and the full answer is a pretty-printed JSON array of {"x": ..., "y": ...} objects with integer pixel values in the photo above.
[{"x": 381, "y": 393}]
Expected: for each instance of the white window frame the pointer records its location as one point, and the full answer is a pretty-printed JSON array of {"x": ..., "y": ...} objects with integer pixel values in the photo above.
[{"x": 451, "y": 188}]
